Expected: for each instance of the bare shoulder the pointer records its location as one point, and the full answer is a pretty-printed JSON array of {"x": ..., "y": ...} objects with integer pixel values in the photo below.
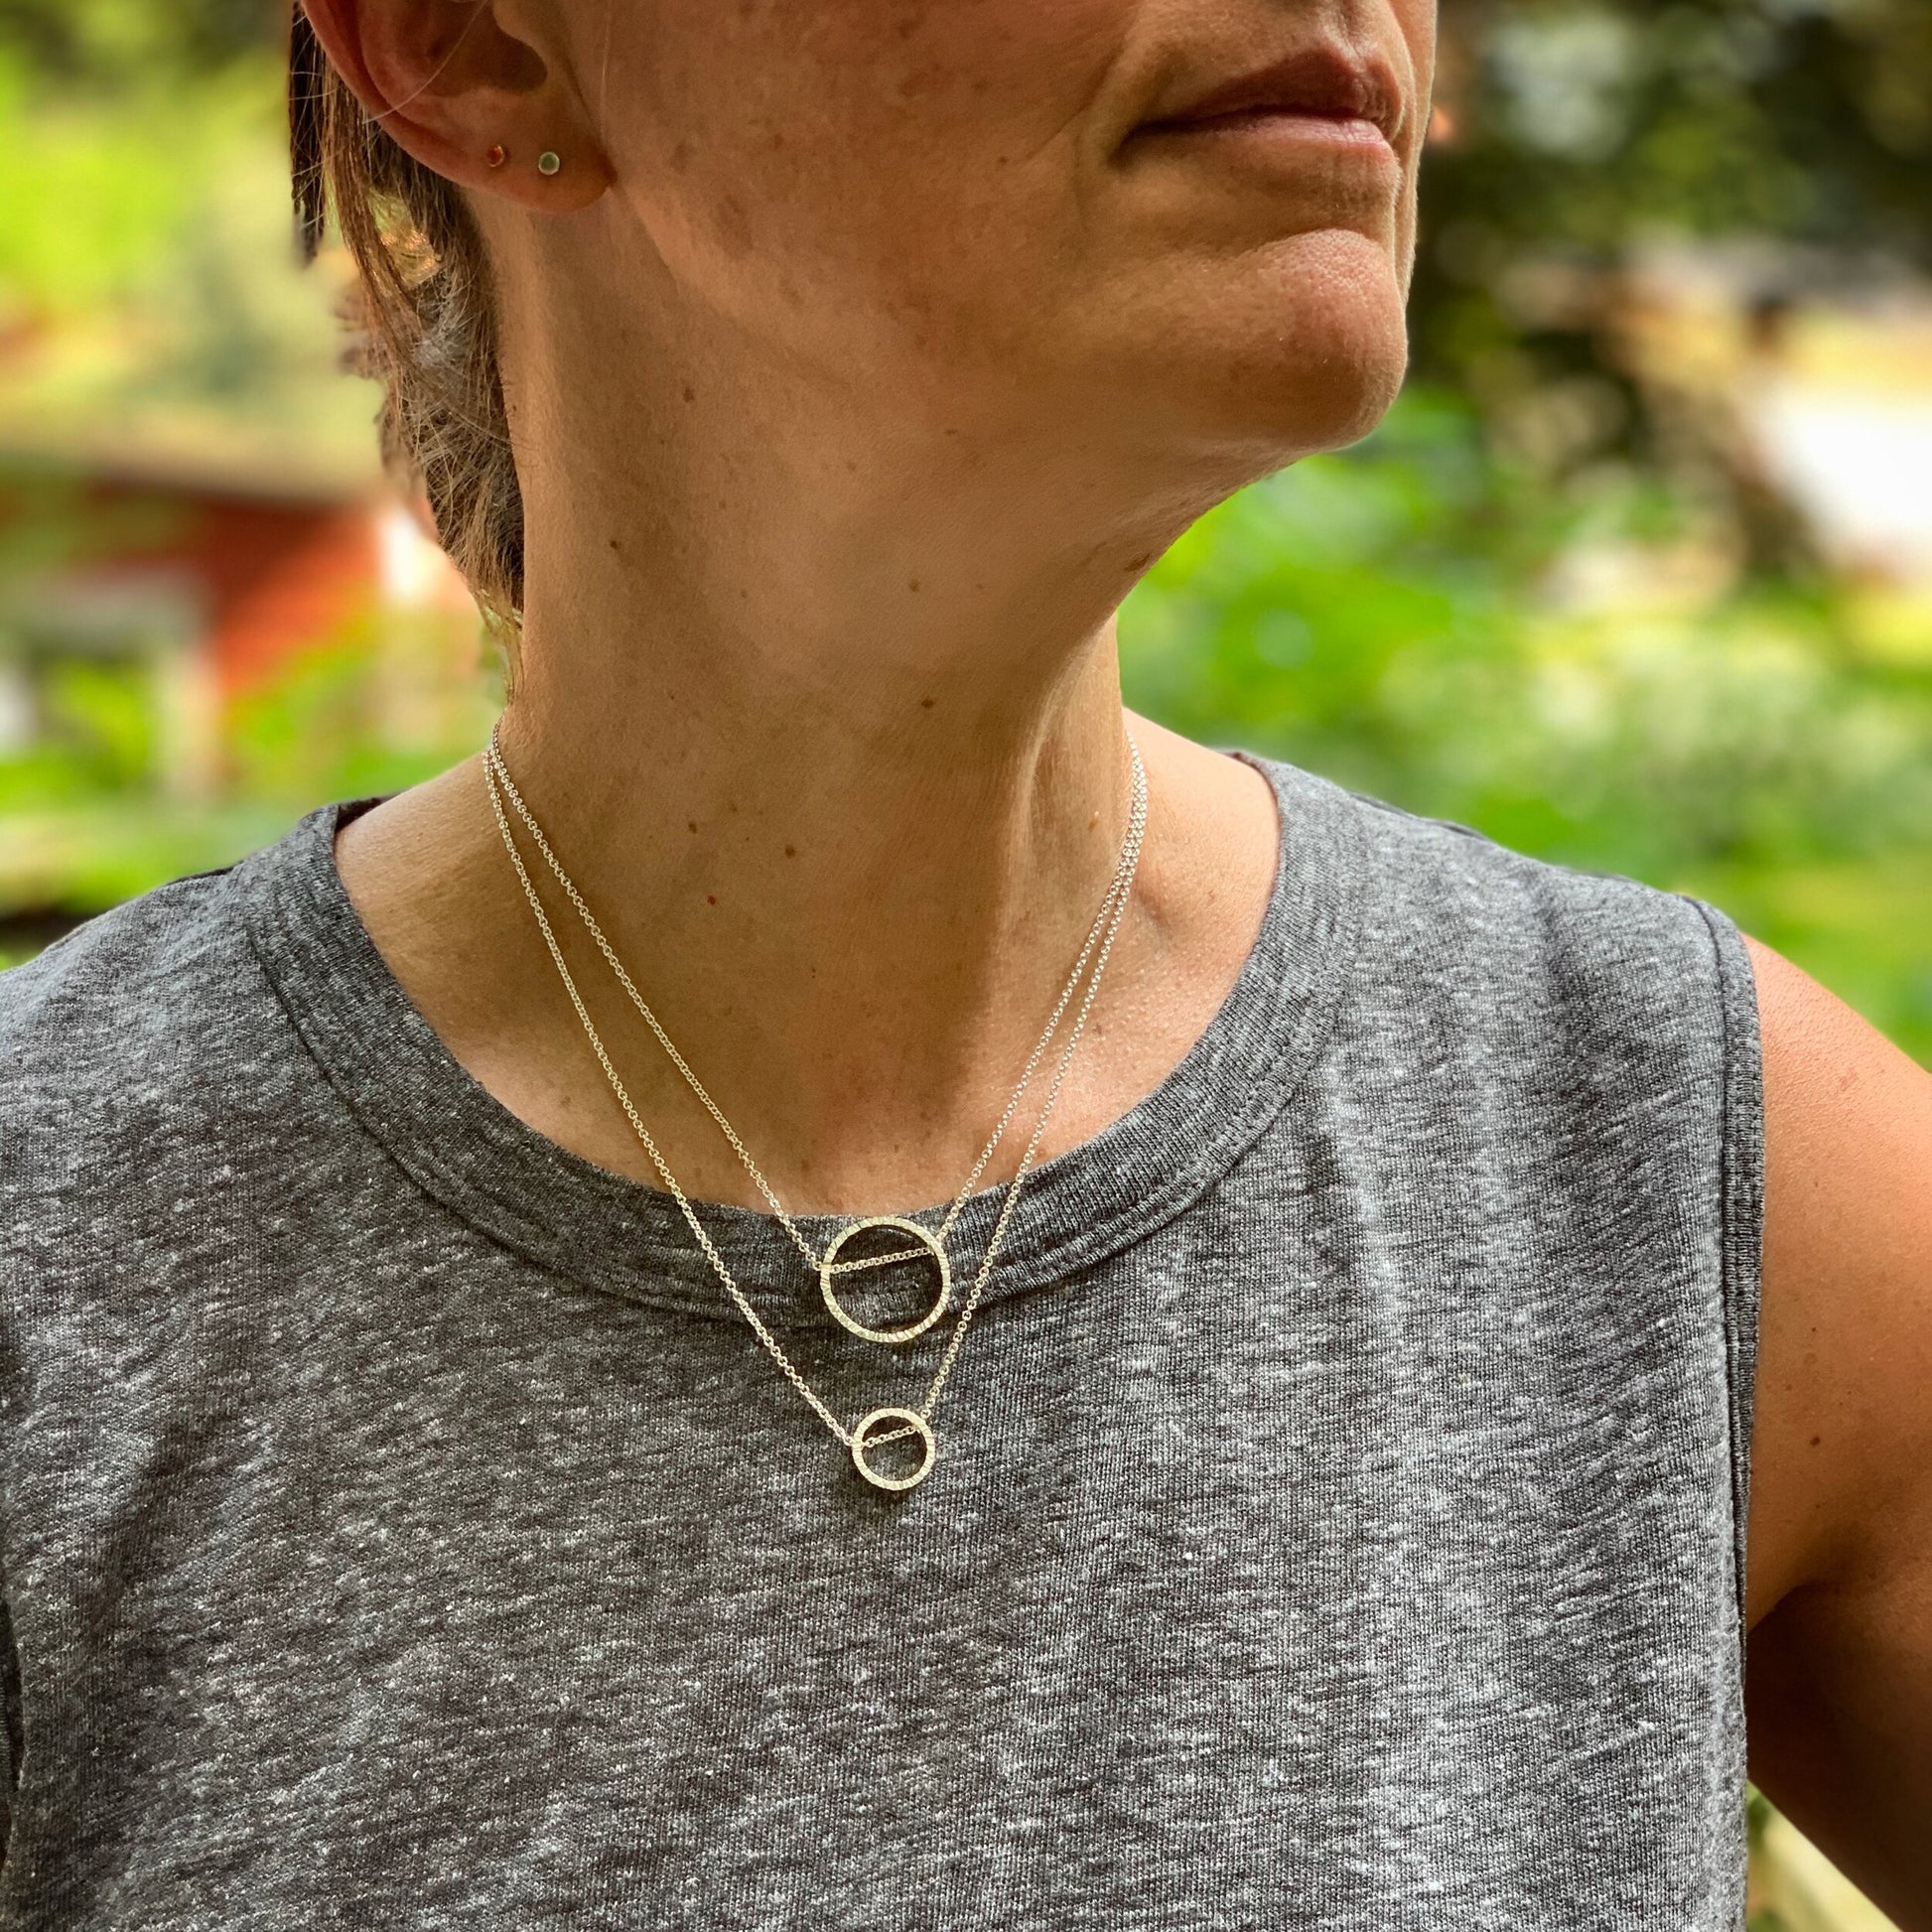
[
  {"x": 1841, "y": 1523},
  {"x": 1845, "y": 1335}
]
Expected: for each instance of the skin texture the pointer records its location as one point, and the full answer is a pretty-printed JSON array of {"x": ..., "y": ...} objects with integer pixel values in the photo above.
[
  {"x": 1840, "y": 1678},
  {"x": 859, "y": 358}
]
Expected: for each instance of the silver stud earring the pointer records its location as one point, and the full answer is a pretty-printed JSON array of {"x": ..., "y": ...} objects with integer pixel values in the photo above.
[{"x": 548, "y": 162}]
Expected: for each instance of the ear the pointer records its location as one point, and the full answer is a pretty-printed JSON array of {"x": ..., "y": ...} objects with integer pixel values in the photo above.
[{"x": 466, "y": 93}]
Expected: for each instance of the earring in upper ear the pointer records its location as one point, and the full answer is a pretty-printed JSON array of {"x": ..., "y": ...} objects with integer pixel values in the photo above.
[
  {"x": 496, "y": 156},
  {"x": 548, "y": 162}
]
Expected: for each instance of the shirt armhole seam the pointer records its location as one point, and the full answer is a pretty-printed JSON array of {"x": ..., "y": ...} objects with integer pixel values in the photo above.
[{"x": 1741, "y": 1219}]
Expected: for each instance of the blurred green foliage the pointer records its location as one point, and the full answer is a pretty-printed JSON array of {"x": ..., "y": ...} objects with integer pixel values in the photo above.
[
  {"x": 84, "y": 822},
  {"x": 121, "y": 44},
  {"x": 1384, "y": 616},
  {"x": 149, "y": 294},
  {"x": 1584, "y": 129}
]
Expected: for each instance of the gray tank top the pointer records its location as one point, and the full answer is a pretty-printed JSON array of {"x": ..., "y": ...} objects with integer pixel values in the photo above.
[{"x": 1337, "y": 1521}]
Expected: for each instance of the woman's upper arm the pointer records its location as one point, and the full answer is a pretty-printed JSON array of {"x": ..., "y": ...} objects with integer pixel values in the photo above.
[{"x": 1840, "y": 1536}]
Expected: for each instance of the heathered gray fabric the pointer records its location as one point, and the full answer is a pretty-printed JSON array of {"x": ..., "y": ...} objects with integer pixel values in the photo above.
[{"x": 1337, "y": 1523}]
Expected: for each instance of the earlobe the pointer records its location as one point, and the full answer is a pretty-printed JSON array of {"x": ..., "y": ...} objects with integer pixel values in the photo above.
[
  {"x": 480, "y": 105},
  {"x": 549, "y": 184}
]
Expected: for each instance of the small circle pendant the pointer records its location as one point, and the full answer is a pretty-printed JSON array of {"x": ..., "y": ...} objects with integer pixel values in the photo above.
[
  {"x": 891, "y": 1336},
  {"x": 919, "y": 1426}
]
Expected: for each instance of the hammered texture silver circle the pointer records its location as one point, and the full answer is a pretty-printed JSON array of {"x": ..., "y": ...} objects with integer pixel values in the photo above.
[
  {"x": 891, "y": 1336},
  {"x": 921, "y": 1426}
]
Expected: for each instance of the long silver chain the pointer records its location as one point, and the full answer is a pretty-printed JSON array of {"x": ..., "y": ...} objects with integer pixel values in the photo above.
[
  {"x": 1095, "y": 949},
  {"x": 498, "y": 773}
]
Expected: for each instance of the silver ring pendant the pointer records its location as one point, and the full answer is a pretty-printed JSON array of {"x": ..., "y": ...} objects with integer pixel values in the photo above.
[
  {"x": 912, "y": 1329},
  {"x": 919, "y": 1427}
]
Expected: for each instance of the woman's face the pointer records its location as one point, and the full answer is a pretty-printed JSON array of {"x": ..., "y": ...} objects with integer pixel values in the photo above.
[{"x": 1019, "y": 210}]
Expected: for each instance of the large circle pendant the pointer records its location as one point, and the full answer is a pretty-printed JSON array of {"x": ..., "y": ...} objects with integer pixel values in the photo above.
[
  {"x": 911, "y": 1330},
  {"x": 921, "y": 1426}
]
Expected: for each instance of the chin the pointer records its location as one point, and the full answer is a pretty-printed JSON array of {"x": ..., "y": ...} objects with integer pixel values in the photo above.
[
  {"x": 1297, "y": 406},
  {"x": 1285, "y": 352}
]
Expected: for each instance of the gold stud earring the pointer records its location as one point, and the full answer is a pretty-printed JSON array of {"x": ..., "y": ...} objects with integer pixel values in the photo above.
[
  {"x": 548, "y": 162},
  {"x": 496, "y": 156}
]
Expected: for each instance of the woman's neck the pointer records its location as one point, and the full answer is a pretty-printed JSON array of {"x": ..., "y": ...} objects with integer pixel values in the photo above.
[
  {"x": 841, "y": 768},
  {"x": 852, "y": 892}
]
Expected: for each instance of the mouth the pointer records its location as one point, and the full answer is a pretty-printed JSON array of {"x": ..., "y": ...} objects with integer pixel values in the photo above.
[{"x": 1324, "y": 93}]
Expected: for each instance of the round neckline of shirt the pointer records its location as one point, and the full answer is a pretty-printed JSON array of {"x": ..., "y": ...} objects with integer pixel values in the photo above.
[{"x": 603, "y": 1230}]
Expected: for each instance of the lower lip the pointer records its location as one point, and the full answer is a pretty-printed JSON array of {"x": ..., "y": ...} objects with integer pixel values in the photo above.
[{"x": 1277, "y": 126}]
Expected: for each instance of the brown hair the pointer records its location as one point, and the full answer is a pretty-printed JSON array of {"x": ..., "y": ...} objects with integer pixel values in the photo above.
[{"x": 429, "y": 327}]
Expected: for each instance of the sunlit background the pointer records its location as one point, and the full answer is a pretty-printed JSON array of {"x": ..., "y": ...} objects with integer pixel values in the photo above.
[{"x": 1638, "y": 574}]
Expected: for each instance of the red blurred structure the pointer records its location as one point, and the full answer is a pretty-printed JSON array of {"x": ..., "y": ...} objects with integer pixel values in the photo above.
[{"x": 207, "y": 575}]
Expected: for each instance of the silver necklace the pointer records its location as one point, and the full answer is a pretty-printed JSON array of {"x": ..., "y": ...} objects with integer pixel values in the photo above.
[{"x": 890, "y": 1424}]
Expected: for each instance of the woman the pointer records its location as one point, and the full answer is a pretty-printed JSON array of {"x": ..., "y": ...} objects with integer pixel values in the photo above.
[{"x": 440, "y": 1481}]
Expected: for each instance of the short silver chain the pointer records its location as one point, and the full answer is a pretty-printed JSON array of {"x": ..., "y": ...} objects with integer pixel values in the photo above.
[{"x": 1096, "y": 948}]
